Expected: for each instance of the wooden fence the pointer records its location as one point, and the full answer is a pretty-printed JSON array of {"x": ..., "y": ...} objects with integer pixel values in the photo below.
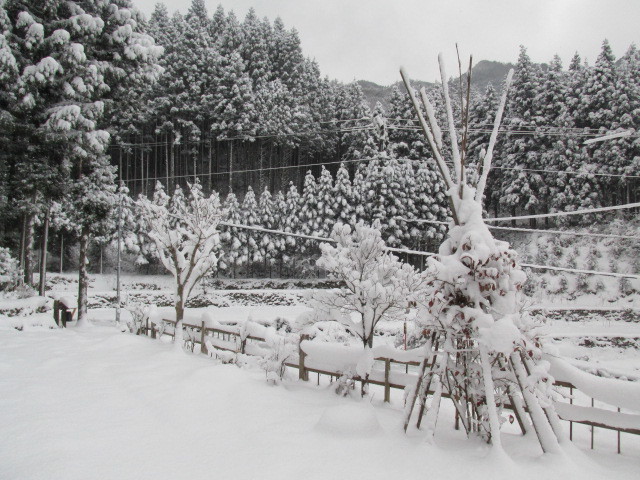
[{"x": 590, "y": 416}]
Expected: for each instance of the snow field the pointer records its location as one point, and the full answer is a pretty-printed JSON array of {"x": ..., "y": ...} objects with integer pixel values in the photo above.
[{"x": 102, "y": 403}]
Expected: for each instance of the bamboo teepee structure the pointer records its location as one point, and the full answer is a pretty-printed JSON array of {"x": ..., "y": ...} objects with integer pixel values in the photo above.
[{"x": 481, "y": 350}]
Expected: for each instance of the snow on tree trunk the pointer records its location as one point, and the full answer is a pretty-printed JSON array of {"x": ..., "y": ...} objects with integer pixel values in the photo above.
[{"x": 83, "y": 278}]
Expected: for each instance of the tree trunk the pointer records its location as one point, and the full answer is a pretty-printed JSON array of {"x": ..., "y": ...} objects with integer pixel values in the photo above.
[
  {"x": 177, "y": 339},
  {"x": 83, "y": 278},
  {"x": 369, "y": 341},
  {"x": 23, "y": 237},
  {"x": 172, "y": 170},
  {"x": 28, "y": 249},
  {"x": 61, "y": 252},
  {"x": 43, "y": 253}
]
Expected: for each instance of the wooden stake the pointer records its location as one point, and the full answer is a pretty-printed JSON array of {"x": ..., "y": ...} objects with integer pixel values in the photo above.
[
  {"x": 303, "y": 374},
  {"x": 423, "y": 368},
  {"x": 203, "y": 336},
  {"x": 543, "y": 430},
  {"x": 387, "y": 386}
]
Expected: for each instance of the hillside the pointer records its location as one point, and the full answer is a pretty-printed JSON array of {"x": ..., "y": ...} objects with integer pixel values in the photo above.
[{"x": 483, "y": 73}]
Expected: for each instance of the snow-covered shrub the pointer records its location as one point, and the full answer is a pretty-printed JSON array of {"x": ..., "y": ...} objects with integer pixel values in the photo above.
[
  {"x": 273, "y": 363},
  {"x": 557, "y": 284},
  {"x": 282, "y": 324},
  {"x": 625, "y": 287},
  {"x": 345, "y": 385},
  {"x": 376, "y": 285},
  {"x": 139, "y": 313},
  {"x": 415, "y": 336},
  {"x": 190, "y": 336},
  {"x": 330, "y": 332},
  {"x": 9, "y": 270}
]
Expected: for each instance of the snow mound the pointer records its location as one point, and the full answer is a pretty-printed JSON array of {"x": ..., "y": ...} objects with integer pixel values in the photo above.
[{"x": 351, "y": 419}]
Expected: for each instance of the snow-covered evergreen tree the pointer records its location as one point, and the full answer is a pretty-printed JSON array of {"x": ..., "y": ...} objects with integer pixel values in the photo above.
[
  {"x": 292, "y": 223},
  {"x": 326, "y": 216},
  {"x": 270, "y": 244},
  {"x": 232, "y": 237},
  {"x": 343, "y": 201},
  {"x": 250, "y": 239},
  {"x": 308, "y": 213},
  {"x": 523, "y": 190}
]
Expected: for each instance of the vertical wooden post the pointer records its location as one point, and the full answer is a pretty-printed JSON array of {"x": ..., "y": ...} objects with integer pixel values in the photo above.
[
  {"x": 302, "y": 371},
  {"x": 618, "y": 434},
  {"x": 203, "y": 346},
  {"x": 56, "y": 312},
  {"x": 387, "y": 386},
  {"x": 146, "y": 326},
  {"x": 570, "y": 422},
  {"x": 592, "y": 427},
  {"x": 153, "y": 331}
]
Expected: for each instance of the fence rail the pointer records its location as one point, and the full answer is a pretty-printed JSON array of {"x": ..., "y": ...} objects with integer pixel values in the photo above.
[{"x": 573, "y": 414}]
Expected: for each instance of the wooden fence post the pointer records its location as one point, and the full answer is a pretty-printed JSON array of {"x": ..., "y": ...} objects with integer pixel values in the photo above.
[
  {"x": 592, "y": 427},
  {"x": 153, "y": 330},
  {"x": 302, "y": 371},
  {"x": 618, "y": 434},
  {"x": 387, "y": 386},
  {"x": 203, "y": 346},
  {"x": 56, "y": 312}
]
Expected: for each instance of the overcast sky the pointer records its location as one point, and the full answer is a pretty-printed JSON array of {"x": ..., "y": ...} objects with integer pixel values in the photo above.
[{"x": 370, "y": 39}]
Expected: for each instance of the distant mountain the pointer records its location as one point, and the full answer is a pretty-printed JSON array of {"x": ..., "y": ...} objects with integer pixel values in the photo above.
[{"x": 482, "y": 74}]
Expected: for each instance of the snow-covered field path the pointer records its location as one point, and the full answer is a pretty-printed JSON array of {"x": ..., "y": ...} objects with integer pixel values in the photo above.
[{"x": 96, "y": 403}]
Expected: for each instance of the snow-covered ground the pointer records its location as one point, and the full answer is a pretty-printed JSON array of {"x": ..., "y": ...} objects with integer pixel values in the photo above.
[{"x": 98, "y": 403}]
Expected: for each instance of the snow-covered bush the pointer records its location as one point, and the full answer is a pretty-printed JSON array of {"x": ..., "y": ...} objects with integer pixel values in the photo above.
[
  {"x": 190, "y": 336},
  {"x": 9, "y": 269},
  {"x": 185, "y": 231},
  {"x": 376, "y": 285},
  {"x": 345, "y": 385},
  {"x": 139, "y": 313},
  {"x": 273, "y": 363}
]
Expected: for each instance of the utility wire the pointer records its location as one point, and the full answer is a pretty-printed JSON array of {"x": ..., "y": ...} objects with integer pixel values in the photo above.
[
  {"x": 564, "y": 214},
  {"x": 428, "y": 254},
  {"x": 317, "y": 238},
  {"x": 253, "y": 170},
  {"x": 531, "y": 230},
  {"x": 337, "y": 162}
]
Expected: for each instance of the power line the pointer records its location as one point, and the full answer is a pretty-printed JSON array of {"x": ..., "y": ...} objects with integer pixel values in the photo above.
[
  {"x": 577, "y": 270},
  {"x": 428, "y": 254},
  {"x": 318, "y": 238},
  {"x": 565, "y": 172},
  {"x": 563, "y": 214},
  {"x": 337, "y": 162},
  {"x": 244, "y": 138},
  {"x": 253, "y": 170},
  {"x": 532, "y": 230}
]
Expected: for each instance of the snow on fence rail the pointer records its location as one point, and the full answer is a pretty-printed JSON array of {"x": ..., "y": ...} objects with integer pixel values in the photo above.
[{"x": 337, "y": 360}]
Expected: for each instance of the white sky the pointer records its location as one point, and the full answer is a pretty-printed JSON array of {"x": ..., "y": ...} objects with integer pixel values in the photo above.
[{"x": 370, "y": 39}]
